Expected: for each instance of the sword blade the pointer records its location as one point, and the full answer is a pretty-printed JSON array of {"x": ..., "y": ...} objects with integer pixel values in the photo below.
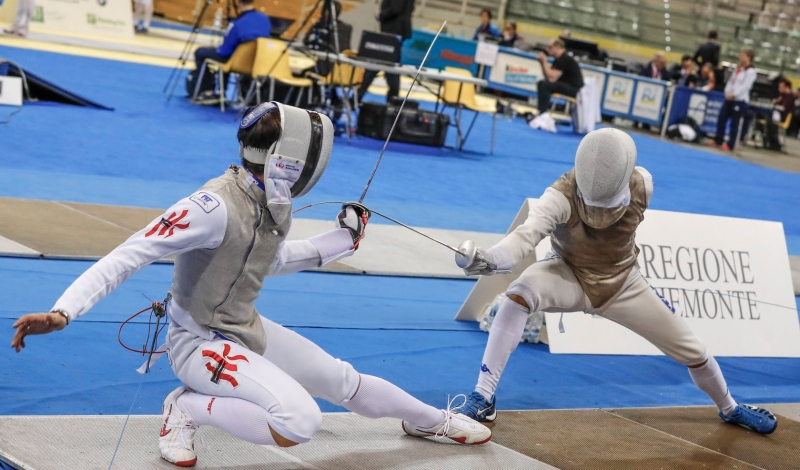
[{"x": 399, "y": 112}]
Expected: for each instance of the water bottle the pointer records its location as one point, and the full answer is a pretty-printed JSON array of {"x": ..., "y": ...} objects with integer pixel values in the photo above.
[
  {"x": 533, "y": 328},
  {"x": 218, "y": 20},
  {"x": 491, "y": 312}
]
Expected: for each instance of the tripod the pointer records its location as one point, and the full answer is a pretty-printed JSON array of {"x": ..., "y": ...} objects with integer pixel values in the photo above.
[{"x": 174, "y": 76}]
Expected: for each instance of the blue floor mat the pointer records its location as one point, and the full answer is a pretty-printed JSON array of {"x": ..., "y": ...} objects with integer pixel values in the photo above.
[
  {"x": 406, "y": 335},
  {"x": 150, "y": 153}
]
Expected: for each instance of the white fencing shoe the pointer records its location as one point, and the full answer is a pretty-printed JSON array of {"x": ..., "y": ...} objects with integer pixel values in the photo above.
[
  {"x": 177, "y": 432},
  {"x": 456, "y": 426}
]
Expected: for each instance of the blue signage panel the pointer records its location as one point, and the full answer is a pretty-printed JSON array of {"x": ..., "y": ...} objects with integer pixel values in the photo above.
[
  {"x": 447, "y": 52},
  {"x": 702, "y": 106}
]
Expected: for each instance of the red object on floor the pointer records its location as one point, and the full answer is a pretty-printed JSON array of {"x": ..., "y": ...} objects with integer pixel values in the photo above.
[{"x": 725, "y": 147}]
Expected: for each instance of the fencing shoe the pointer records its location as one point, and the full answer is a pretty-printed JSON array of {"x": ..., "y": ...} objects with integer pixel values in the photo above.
[
  {"x": 479, "y": 408},
  {"x": 456, "y": 427},
  {"x": 753, "y": 418},
  {"x": 177, "y": 432}
]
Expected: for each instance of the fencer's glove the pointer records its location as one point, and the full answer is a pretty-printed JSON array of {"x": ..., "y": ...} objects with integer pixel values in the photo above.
[
  {"x": 354, "y": 217},
  {"x": 474, "y": 260}
]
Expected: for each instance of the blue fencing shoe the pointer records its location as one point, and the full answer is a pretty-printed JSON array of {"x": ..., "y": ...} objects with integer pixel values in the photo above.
[
  {"x": 750, "y": 417},
  {"x": 479, "y": 408}
]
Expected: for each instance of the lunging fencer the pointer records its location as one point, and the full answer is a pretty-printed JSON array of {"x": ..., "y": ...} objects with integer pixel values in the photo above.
[
  {"x": 591, "y": 214},
  {"x": 242, "y": 372}
]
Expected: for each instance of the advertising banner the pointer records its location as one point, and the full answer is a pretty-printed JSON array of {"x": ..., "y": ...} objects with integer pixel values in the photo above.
[
  {"x": 618, "y": 94},
  {"x": 702, "y": 106},
  {"x": 110, "y": 18},
  {"x": 515, "y": 71},
  {"x": 447, "y": 52},
  {"x": 649, "y": 101}
]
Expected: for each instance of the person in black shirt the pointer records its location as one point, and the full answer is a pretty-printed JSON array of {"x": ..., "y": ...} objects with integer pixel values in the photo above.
[
  {"x": 395, "y": 18},
  {"x": 685, "y": 76},
  {"x": 563, "y": 76},
  {"x": 708, "y": 53}
]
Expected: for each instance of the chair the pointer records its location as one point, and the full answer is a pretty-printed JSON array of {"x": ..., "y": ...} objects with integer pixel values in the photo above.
[
  {"x": 241, "y": 62},
  {"x": 461, "y": 96},
  {"x": 343, "y": 75},
  {"x": 569, "y": 111},
  {"x": 273, "y": 64}
]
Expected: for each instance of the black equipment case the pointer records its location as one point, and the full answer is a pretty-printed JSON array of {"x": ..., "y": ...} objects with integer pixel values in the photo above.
[{"x": 415, "y": 126}]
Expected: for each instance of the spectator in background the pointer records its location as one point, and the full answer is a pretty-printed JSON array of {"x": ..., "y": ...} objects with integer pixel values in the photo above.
[
  {"x": 395, "y": 18},
  {"x": 708, "y": 53},
  {"x": 142, "y": 15},
  {"x": 563, "y": 76},
  {"x": 510, "y": 36},
  {"x": 249, "y": 26},
  {"x": 25, "y": 10},
  {"x": 656, "y": 68},
  {"x": 486, "y": 27},
  {"x": 783, "y": 106},
  {"x": 737, "y": 99},
  {"x": 686, "y": 75},
  {"x": 794, "y": 126},
  {"x": 708, "y": 79}
]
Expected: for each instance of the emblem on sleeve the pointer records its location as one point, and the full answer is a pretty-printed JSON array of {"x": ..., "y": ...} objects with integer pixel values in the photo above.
[
  {"x": 206, "y": 201},
  {"x": 166, "y": 226}
]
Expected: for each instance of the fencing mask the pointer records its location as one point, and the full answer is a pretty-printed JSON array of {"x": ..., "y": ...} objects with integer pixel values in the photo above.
[
  {"x": 604, "y": 163},
  {"x": 296, "y": 161}
]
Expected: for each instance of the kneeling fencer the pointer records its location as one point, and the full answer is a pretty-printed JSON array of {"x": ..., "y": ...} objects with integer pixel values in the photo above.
[
  {"x": 242, "y": 372},
  {"x": 591, "y": 214}
]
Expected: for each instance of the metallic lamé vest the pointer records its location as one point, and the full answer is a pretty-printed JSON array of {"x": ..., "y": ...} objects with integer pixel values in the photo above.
[
  {"x": 218, "y": 287},
  {"x": 601, "y": 259}
]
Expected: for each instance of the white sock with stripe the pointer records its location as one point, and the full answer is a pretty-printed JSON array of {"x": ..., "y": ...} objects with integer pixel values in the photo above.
[{"x": 709, "y": 379}]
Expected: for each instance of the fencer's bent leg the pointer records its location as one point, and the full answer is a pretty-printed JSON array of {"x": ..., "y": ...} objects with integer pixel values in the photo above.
[
  {"x": 226, "y": 371},
  {"x": 546, "y": 286},
  {"x": 338, "y": 382},
  {"x": 640, "y": 309}
]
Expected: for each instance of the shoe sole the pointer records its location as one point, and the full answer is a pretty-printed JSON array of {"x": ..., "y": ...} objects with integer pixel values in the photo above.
[
  {"x": 183, "y": 463},
  {"x": 755, "y": 430},
  {"x": 460, "y": 440}
]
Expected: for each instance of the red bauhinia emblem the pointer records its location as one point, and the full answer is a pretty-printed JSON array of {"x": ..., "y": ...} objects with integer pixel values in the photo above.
[
  {"x": 169, "y": 225},
  {"x": 223, "y": 363}
]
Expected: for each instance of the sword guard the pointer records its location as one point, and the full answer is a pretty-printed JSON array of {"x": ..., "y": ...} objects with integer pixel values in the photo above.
[{"x": 361, "y": 208}]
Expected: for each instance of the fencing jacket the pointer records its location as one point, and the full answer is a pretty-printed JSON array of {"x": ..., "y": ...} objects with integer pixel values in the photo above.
[
  {"x": 601, "y": 259},
  {"x": 225, "y": 242}
]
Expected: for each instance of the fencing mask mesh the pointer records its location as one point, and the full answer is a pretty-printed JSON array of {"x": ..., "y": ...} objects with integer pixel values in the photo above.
[
  {"x": 604, "y": 163},
  {"x": 299, "y": 157}
]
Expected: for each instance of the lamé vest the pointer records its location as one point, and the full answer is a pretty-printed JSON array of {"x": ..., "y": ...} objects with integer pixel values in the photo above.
[
  {"x": 601, "y": 259},
  {"x": 218, "y": 287}
]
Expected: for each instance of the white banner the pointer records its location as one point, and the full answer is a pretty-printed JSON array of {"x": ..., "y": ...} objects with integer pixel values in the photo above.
[
  {"x": 516, "y": 71},
  {"x": 728, "y": 278},
  {"x": 110, "y": 18},
  {"x": 10, "y": 91},
  {"x": 647, "y": 103},
  {"x": 618, "y": 95},
  {"x": 601, "y": 81}
]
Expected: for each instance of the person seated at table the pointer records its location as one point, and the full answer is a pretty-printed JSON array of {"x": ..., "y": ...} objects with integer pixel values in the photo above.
[
  {"x": 708, "y": 79},
  {"x": 563, "y": 76},
  {"x": 249, "y": 26},
  {"x": 486, "y": 28},
  {"x": 783, "y": 106},
  {"x": 656, "y": 68},
  {"x": 685, "y": 76},
  {"x": 510, "y": 36},
  {"x": 794, "y": 124}
]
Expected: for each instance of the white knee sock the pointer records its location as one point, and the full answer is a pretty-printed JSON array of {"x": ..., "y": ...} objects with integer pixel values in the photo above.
[
  {"x": 241, "y": 418},
  {"x": 504, "y": 336},
  {"x": 377, "y": 398},
  {"x": 709, "y": 379}
]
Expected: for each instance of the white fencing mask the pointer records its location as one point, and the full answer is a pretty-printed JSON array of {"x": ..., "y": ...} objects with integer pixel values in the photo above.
[
  {"x": 604, "y": 163},
  {"x": 293, "y": 164}
]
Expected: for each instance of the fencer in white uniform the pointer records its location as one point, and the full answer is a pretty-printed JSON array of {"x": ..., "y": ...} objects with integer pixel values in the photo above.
[
  {"x": 591, "y": 214},
  {"x": 242, "y": 372}
]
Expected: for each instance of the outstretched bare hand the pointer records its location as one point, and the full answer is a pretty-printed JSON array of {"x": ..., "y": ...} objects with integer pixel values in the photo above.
[{"x": 36, "y": 324}]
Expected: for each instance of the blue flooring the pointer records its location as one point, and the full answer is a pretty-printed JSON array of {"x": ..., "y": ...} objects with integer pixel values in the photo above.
[
  {"x": 399, "y": 329},
  {"x": 150, "y": 153}
]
